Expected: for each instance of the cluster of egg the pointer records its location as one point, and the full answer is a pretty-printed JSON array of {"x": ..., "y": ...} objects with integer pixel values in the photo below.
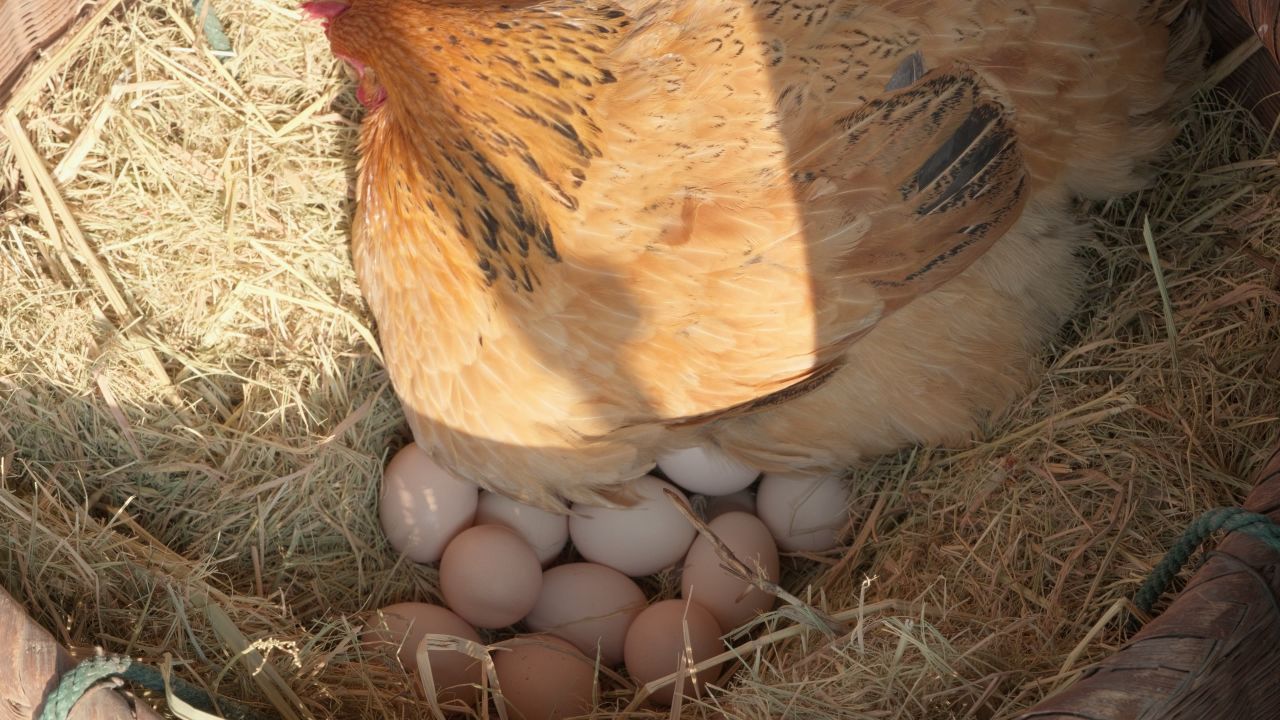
[{"x": 496, "y": 567}]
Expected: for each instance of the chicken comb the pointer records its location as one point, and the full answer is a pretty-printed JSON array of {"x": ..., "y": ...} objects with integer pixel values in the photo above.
[{"x": 324, "y": 10}]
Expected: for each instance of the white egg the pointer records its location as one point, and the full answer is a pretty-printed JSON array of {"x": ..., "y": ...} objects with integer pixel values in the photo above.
[
  {"x": 706, "y": 469},
  {"x": 547, "y": 533},
  {"x": 422, "y": 507},
  {"x": 804, "y": 512},
  {"x": 639, "y": 540}
]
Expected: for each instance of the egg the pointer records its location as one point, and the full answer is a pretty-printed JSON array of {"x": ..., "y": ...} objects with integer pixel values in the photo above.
[
  {"x": 544, "y": 678},
  {"x": 490, "y": 576},
  {"x": 706, "y": 469},
  {"x": 804, "y": 512},
  {"x": 399, "y": 629},
  {"x": 656, "y": 644},
  {"x": 422, "y": 507},
  {"x": 589, "y": 605},
  {"x": 741, "y": 501},
  {"x": 547, "y": 533},
  {"x": 714, "y": 588},
  {"x": 639, "y": 540}
]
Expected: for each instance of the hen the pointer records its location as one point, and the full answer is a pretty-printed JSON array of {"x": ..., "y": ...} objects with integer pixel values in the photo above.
[{"x": 803, "y": 231}]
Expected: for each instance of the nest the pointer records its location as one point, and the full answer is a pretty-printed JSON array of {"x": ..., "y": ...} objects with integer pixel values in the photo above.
[{"x": 194, "y": 417}]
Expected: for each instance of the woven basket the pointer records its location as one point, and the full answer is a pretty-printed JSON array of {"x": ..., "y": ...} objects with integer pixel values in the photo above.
[
  {"x": 1257, "y": 81},
  {"x": 26, "y": 27}
]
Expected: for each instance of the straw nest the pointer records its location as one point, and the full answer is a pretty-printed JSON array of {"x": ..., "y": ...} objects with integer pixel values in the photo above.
[{"x": 193, "y": 416}]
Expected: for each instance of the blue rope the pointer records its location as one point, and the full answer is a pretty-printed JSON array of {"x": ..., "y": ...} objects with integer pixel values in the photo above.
[
  {"x": 80, "y": 679},
  {"x": 1231, "y": 519}
]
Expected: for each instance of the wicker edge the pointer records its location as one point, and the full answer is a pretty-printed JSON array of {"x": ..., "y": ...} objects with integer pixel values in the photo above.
[
  {"x": 1211, "y": 654},
  {"x": 31, "y": 662},
  {"x": 26, "y": 27},
  {"x": 1257, "y": 81}
]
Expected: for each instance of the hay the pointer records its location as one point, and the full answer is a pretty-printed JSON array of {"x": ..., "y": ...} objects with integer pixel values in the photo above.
[{"x": 190, "y": 467}]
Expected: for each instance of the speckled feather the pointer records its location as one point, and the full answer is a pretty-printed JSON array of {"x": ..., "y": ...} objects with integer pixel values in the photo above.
[{"x": 805, "y": 231}]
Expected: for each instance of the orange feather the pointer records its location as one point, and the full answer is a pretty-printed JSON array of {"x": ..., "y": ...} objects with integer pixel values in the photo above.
[{"x": 806, "y": 232}]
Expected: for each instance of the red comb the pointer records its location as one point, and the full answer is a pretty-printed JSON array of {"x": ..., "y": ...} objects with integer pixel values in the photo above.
[{"x": 324, "y": 9}]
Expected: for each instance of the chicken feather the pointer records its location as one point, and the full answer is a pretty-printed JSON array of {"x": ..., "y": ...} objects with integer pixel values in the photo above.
[{"x": 804, "y": 231}]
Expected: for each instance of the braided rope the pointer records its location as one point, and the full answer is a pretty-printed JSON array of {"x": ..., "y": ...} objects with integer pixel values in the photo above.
[
  {"x": 80, "y": 679},
  {"x": 77, "y": 681},
  {"x": 1231, "y": 519}
]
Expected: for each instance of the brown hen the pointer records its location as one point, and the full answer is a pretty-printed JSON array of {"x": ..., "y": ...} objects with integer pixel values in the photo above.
[{"x": 802, "y": 231}]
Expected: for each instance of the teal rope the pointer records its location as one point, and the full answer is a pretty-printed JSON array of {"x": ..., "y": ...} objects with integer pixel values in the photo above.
[
  {"x": 212, "y": 28},
  {"x": 78, "y": 681},
  {"x": 1231, "y": 519}
]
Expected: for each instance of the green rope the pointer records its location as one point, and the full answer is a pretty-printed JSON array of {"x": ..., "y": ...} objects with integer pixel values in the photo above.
[
  {"x": 78, "y": 681},
  {"x": 1231, "y": 519}
]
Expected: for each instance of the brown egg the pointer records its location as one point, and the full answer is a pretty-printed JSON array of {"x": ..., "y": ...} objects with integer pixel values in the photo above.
[
  {"x": 544, "y": 678},
  {"x": 713, "y": 587},
  {"x": 490, "y": 576},
  {"x": 589, "y": 605},
  {"x": 741, "y": 501},
  {"x": 655, "y": 645},
  {"x": 399, "y": 629}
]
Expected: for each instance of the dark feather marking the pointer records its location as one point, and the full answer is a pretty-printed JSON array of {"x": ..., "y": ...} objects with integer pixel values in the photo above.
[
  {"x": 801, "y": 387},
  {"x": 547, "y": 242},
  {"x": 546, "y": 77},
  {"x": 490, "y": 274},
  {"x": 490, "y": 230},
  {"x": 965, "y": 154},
  {"x": 971, "y": 233},
  {"x": 909, "y": 71}
]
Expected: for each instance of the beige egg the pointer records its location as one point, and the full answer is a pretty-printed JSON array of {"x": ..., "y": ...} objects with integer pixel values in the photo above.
[
  {"x": 707, "y": 469},
  {"x": 656, "y": 644},
  {"x": 639, "y": 540},
  {"x": 704, "y": 580},
  {"x": 399, "y": 630},
  {"x": 544, "y": 678},
  {"x": 422, "y": 507},
  {"x": 741, "y": 501},
  {"x": 547, "y": 533},
  {"x": 804, "y": 512},
  {"x": 490, "y": 576},
  {"x": 589, "y": 605}
]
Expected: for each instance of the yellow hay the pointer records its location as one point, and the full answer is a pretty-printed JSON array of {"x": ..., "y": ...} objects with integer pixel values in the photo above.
[{"x": 193, "y": 416}]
